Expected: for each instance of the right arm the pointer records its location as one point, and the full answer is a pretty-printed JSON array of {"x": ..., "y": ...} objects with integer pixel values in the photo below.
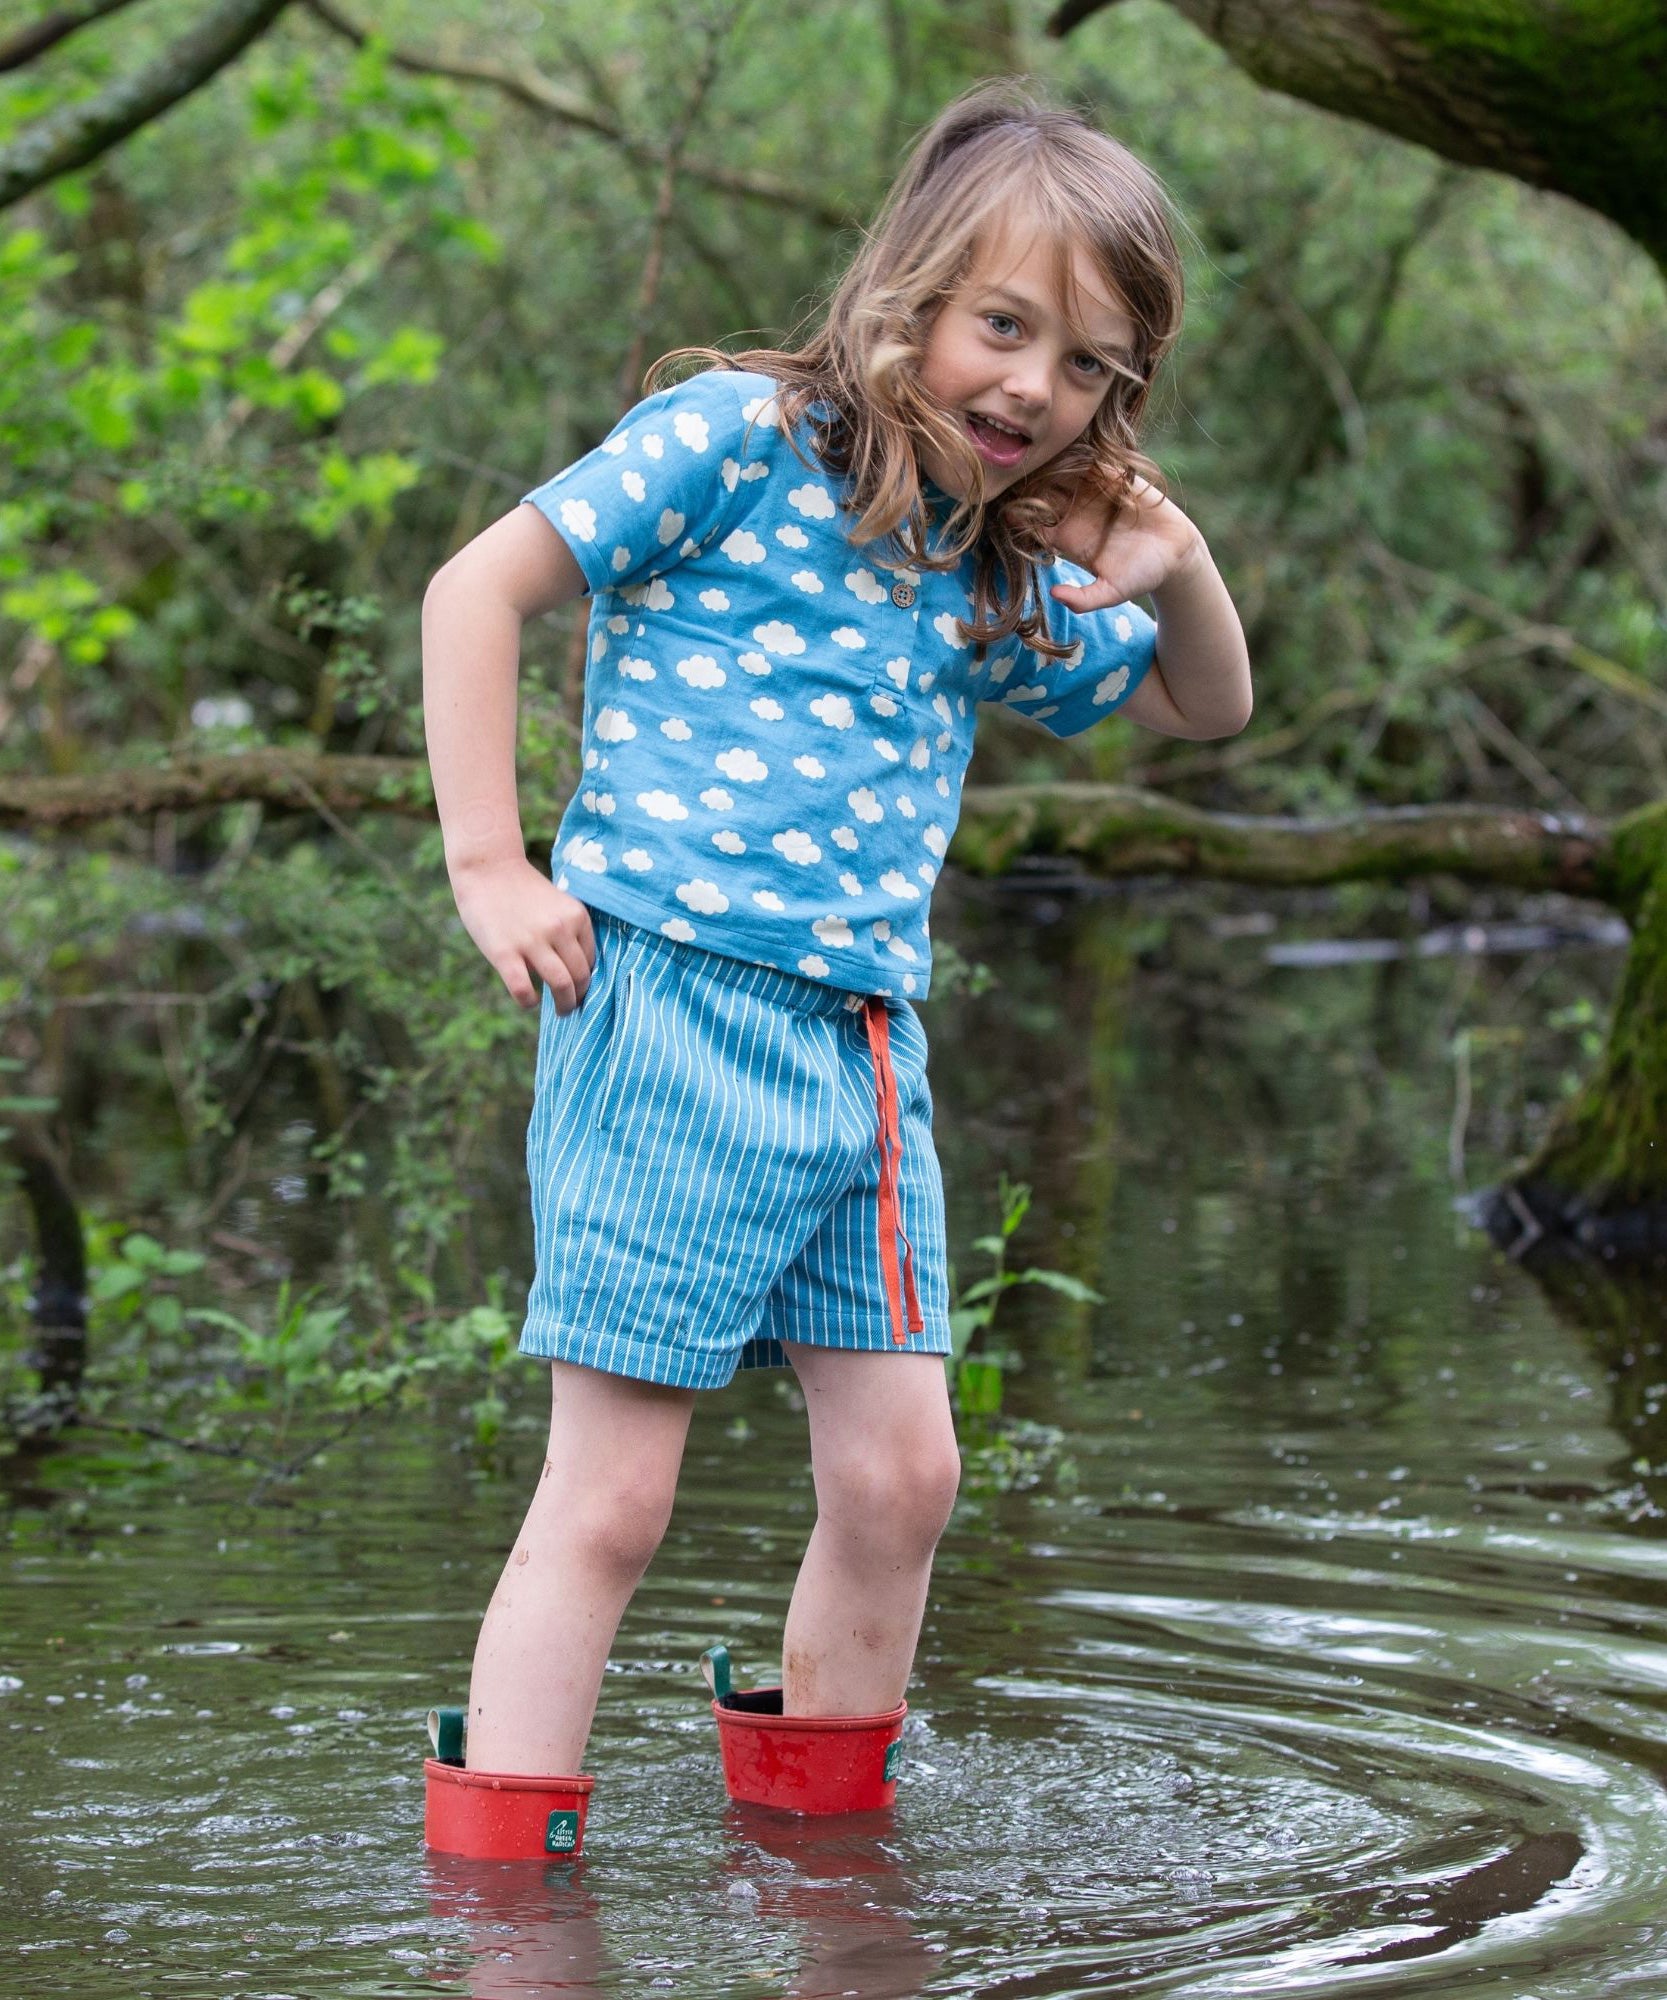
[{"x": 473, "y": 612}]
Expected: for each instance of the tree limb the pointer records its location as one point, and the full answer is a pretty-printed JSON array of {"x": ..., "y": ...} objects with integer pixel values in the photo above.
[
  {"x": 1113, "y": 830},
  {"x": 1562, "y": 97},
  {"x": 79, "y": 133},
  {"x": 21, "y": 49},
  {"x": 550, "y": 100}
]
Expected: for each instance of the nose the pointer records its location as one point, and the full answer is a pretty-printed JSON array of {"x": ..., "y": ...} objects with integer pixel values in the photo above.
[{"x": 1028, "y": 382}]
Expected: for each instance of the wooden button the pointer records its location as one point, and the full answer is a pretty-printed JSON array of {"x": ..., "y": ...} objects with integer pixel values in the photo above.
[{"x": 902, "y": 595}]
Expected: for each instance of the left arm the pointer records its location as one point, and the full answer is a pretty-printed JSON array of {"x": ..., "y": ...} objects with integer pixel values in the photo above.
[{"x": 1199, "y": 684}]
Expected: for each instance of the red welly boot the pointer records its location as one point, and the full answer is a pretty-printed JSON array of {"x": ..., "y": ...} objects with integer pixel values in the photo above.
[
  {"x": 492, "y": 1815},
  {"x": 802, "y": 1763}
]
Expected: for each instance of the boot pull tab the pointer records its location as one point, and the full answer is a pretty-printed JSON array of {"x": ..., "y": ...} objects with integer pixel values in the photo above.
[
  {"x": 445, "y": 1732},
  {"x": 714, "y": 1669}
]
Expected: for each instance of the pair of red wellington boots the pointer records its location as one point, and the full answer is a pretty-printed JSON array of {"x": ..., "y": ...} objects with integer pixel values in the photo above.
[{"x": 796, "y": 1763}]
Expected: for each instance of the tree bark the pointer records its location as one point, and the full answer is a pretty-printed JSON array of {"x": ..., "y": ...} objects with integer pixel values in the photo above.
[
  {"x": 1109, "y": 829},
  {"x": 78, "y": 134},
  {"x": 1562, "y": 97},
  {"x": 28, "y": 44}
]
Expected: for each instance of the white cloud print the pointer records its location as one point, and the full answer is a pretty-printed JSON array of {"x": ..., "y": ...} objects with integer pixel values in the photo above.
[
  {"x": 634, "y": 669},
  {"x": 676, "y": 729},
  {"x": 834, "y": 930},
  {"x": 578, "y": 517},
  {"x": 763, "y": 410},
  {"x": 813, "y": 965},
  {"x": 671, "y": 526},
  {"x": 1112, "y": 686},
  {"x": 865, "y": 584},
  {"x": 833, "y": 709},
  {"x": 896, "y": 883},
  {"x": 743, "y": 547},
  {"x": 778, "y": 636},
  {"x": 849, "y": 637},
  {"x": 700, "y": 670},
  {"x": 636, "y": 860},
  {"x": 746, "y": 767},
  {"x": 754, "y": 663},
  {"x": 765, "y": 709},
  {"x": 613, "y": 725},
  {"x": 691, "y": 430},
  {"x": 704, "y": 896},
  {"x": 728, "y": 841},
  {"x": 810, "y": 767},
  {"x": 937, "y": 840},
  {"x": 865, "y": 805},
  {"x": 679, "y": 928},
  {"x": 715, "y": 600},
  {"x": 808, "y": 581},
  {"x": 793, "y": 537},
  {"x": 717, "y": 799},
  {"x": 635, "y": 485},
  {"x": 844, "y": 836},
  {"x": 586, "y": 854},
  {"x": 794, "y": 845},
  {"x": 815, "y": 502},
  {"x": 767, "y": 899},
  {"x": 948, "y": 628},
  {"x": 662, "y": 805}
]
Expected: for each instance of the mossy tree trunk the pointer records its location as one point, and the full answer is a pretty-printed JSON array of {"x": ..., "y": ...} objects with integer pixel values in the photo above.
[{"x": 1562, "y": 94}]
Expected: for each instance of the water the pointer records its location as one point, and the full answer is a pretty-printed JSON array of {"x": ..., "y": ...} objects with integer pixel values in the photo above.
[{"x": 1312, "y": 1641}]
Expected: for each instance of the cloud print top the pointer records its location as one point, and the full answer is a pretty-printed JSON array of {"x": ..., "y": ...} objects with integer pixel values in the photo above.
[{"x": 776, "y": 723}]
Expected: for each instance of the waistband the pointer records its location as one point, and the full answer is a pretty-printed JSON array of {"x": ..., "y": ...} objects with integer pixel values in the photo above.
[{"x": 763, "y": 982}]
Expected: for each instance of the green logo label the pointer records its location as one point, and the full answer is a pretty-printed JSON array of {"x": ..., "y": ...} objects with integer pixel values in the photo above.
[
  {"x": 894, "y": 1760},
  {"x": 561, "y": 1836}
]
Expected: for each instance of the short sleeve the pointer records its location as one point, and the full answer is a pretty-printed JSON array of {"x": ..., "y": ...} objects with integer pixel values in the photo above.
[
  {"x": 657, "y": 488},
  {"x": 1111, "y": 653}
]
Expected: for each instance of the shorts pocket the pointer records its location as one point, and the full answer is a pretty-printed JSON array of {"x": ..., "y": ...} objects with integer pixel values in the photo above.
[{"x": 619, "y": 1031}]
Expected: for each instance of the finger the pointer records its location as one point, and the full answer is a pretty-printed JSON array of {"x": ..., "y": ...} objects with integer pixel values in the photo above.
[
  {"x": 1096, "y": 596},
  {"x": 562, "y": 967},
  {"x": 512, "y": 970}
]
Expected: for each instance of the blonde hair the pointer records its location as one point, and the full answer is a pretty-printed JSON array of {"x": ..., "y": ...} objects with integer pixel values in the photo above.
[{"x": 997, "y": 153}]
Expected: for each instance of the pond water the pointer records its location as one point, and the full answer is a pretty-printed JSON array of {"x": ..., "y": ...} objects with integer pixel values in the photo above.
[{"x": 1309, "y": 1636}]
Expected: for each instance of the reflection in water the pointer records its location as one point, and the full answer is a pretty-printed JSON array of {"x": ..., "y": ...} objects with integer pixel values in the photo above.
[
  {"x": 1322, "y": 1652},
  {"x": 833, "y": 1896}
]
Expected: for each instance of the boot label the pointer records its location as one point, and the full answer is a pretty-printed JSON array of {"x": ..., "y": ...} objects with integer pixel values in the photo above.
[
  {"x": 561, "y": 1836},
  {"x": 894, "y": 1760}
]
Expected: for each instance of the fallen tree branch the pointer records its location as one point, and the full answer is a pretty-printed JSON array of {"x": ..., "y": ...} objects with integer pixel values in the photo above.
[{"x": 1110, "y": 829}]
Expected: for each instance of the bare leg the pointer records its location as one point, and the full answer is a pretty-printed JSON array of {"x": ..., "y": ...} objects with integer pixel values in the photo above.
[
  {"x": 601, "y": 1507},
  {"x": 886, "y": 1464}
]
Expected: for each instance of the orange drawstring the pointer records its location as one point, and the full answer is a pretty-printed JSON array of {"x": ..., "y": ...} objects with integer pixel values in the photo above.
[{"x": 891, "y": 1154}]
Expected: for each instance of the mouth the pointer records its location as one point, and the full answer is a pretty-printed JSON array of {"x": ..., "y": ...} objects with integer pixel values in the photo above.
[{"x": 998, "y": 443}]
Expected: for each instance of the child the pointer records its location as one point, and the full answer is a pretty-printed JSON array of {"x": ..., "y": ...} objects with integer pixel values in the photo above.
[{"x": 807, "y": 568}]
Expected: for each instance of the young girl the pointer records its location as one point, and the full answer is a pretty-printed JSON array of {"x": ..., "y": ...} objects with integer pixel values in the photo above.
[{"x": 807, "y": 569}]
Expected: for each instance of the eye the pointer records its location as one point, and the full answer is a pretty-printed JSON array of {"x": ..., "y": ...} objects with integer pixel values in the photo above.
[
  {"x": 1002, "y": 324},
  {"x": 1088, "y": 364}
]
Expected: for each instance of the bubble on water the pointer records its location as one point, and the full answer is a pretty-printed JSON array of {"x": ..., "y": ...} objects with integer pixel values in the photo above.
[
  {"x": 281, "y": 1713},
  {"x": 9, "y": 1683},
  {"x": 136, "y": 1681}
]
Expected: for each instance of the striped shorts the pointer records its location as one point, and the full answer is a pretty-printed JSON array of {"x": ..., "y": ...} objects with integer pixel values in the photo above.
[{"x": 724, "y": 1157}]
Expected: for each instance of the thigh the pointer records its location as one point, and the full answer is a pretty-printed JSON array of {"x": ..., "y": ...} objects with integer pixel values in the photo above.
[
  {"x": 611, "y": 1432},
  {"x": 873, "y": 1412}
]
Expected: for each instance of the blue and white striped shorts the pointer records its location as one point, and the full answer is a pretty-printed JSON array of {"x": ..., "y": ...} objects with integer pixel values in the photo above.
[{"x": 724, "y": 1157}]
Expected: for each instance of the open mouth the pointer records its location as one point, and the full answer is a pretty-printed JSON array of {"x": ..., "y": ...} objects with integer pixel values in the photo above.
[{"x": 998, "y": 443}]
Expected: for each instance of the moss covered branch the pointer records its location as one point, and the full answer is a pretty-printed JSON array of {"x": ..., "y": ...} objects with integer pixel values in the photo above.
[{"x": 1563, "y": 94}]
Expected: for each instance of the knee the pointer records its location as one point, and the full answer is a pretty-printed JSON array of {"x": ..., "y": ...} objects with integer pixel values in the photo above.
[
  {"x": 893, "y": 1504},
  {"x": 615, "y": 1524}
]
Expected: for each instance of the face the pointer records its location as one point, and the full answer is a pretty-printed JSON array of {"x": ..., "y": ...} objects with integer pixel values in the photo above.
[{"x": 1013, "y": 368}]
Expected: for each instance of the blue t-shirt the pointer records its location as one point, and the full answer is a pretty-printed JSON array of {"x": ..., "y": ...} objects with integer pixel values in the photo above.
[{"x": 777, "y": 723}]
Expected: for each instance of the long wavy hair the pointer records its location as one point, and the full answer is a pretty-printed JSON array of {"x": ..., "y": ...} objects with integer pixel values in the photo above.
[{"x": 1000, "y": 157}]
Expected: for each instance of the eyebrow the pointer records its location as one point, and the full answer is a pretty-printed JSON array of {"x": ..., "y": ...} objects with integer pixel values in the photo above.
[{"x": 1108, "y": 348}]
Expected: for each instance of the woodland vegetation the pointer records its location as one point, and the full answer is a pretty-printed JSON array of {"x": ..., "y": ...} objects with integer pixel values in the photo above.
[{"x": 289, "y": 311}]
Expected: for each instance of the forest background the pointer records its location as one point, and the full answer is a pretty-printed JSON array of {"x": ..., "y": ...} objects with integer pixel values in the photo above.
[{"x": 269, "y": 361}]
